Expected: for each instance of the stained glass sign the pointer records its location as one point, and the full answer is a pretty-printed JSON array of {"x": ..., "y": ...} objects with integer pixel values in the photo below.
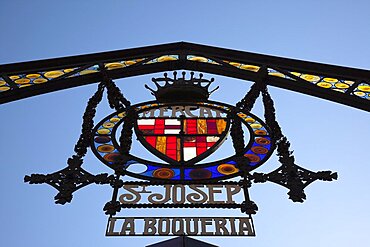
[
  {"x": 181, "y": 130},
  {"x": 185, "y": 138},
  {"x": 182, "y": 136}
]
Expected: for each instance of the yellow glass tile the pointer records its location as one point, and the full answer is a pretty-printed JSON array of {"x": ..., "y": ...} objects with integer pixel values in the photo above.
[
  {"x": 25, "y": 85},
  {"x": 296, "y": 73},
  {"x": 361, "y": 94},
  {"x": 277, "y": 74},
  {"x": 199, "y": 59},
  {"x": 250, "y": 67},
  {"x": 161, "y": 144},
  {"x": 110, "y": 66},
  {"x": 130, "y": 62},
  {"x": 88, "y": 71},
  {"x": 310, "y": 78},
  {"x": 68, "y": 70},
  {"x": 22, "y": 81},
  {"x": 166, "y": 58},
  {"x": 33, "y": 76},
  {"x": 2, "y": 89},
  {"x": 14, "y": 77},
  {"x": 114, "y": 119},
  {"x": 227, "y": 169},
  {"x": 103, "y": 131},
  {"x": 201, "y": 126},
  {"x": 235, "y": 64},
  {"x": 53, "y": 74},
  {"x": 108, "y": 125},
  {"x": 221, "y": 125},
  {"x": 121, "y": 115},
  {"x": 364, "y": 88},
  {"x": 242, "y": 115},
  {"x": 260, "y": 132},
  {"x": 39, "y": 80},
  {"x": 2, "y": 83},
  {"x": 341, "y": 85},
  {"x": 327, "y": 79},
  {"x": 256, "y": 126},
  {"x": 106, "y": 148},
  {"x": 250, "y": 120},
  {"x": 324, "y": 84}
]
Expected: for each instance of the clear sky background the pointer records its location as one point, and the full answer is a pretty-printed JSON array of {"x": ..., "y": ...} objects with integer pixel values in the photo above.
[{"x": 38, "y": 134}]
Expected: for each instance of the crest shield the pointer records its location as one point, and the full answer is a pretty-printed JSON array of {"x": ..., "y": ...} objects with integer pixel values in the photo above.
[{"x": 182, "y": 140}]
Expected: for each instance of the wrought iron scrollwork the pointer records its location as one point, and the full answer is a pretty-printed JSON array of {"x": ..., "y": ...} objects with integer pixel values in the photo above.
[
  {"x": 292, "y": 176},
  {"x": 127, "y": 131},
  {"x": 248, "y": 206},
  {"x": 270, "y": 115},
  {"x": 69, "y": 179},
  {"x": 289, "y": 175},
  {"x": 113, "y": 207},
  {"x": 74, "y": 177},
  {"x": 115, "y": 97},
  {"x": 119, "y": 102},
  {"x": 247, "y": 103},
  {"x": 88, "y": 122}
]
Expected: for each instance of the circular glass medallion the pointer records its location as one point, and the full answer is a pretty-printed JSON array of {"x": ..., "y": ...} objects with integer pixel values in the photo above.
[{"x": 182, "y": 135}]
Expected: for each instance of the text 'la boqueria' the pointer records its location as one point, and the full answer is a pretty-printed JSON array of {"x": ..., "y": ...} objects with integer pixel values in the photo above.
[{"x": 191, "y": 226}]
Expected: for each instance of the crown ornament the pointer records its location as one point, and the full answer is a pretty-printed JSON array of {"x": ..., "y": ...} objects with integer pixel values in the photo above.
[{"x": 182, "y": 89}]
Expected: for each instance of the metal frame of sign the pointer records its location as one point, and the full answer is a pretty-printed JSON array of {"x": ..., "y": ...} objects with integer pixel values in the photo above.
[
  {"x": 69, "y": 72},
  {"x": 338, "y": 84}
]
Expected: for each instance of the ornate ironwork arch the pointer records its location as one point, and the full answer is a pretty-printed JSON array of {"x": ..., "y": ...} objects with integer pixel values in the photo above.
[
  {"x": 343, "y": 85},
  {"x": 338, "y": 84}
]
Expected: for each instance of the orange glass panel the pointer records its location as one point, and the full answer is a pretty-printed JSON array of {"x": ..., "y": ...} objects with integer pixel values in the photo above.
[
  {"x": 178, "y": 149},
  {"x": 202, "y": 126},
  {"x": 221, "y": 125},
  {"x": 161, "y": 144},
  {"x": 164, "y": 173},
  {"x": 227, "y": 169}
]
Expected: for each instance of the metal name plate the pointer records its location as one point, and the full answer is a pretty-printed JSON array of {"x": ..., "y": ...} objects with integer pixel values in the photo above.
[
  {"x": 190, "y": 226},
  {"x": 180, "y": 194}
]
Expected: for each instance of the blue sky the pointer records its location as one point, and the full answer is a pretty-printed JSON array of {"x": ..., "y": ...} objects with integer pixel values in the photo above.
[{"x": 38, "y": 134}]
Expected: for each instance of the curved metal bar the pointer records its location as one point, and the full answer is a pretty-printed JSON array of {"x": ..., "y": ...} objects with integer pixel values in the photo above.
[{"x": 283, "y": 72}]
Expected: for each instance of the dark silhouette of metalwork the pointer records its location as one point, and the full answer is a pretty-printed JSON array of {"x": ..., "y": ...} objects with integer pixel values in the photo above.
[
  {"x": 74, "y": 177},
  {"x": 274, "y": 71},
  {"x": 182, "y": 241},
  {"x": 180, "y": 89}
]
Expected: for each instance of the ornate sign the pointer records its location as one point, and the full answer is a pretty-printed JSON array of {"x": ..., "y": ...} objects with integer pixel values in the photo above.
[
  {"x": 191, "y": 226},
  {"x": 181, "y": 128},
  {"x": 183, "y": 135},
  {"x": 181, "y": 194}
]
